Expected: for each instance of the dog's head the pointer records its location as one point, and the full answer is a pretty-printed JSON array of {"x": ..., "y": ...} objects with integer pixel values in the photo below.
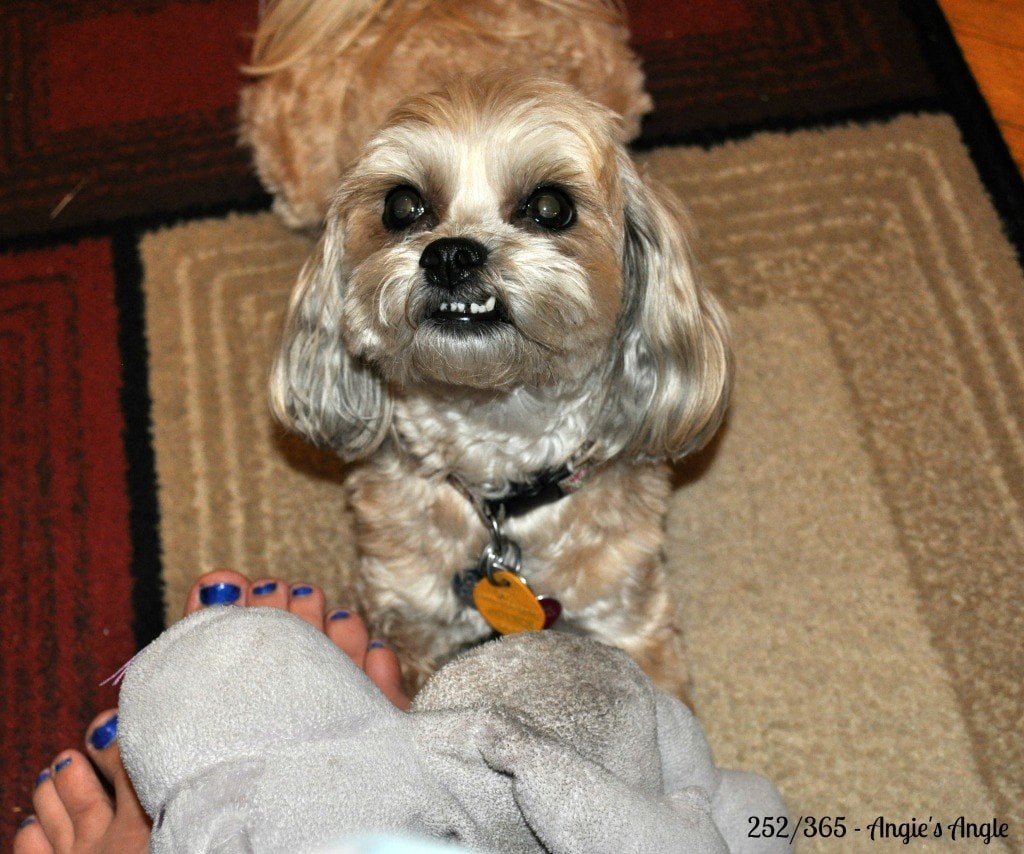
[{"x": 494, "y": 235}]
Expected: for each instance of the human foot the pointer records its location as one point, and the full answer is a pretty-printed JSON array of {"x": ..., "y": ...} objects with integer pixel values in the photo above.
[
  {"x": 307, "y": 601},
  {"x": 73, "y": 812}
]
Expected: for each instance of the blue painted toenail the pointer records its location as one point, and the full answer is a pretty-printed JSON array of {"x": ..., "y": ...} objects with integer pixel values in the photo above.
[
  {"x": 25, "y": 822},
  {"x": 221, "y": 593},
  {"x": 340, "y": 614},
  {"x": 302, "y": 590},
  {"x": 377, "y": 645},
  {"x": 44, "y": 775},
  {"x": 60, "y": 766},
  {"x": 264, "y": 589},
  {"x": 104, "y": 734}
]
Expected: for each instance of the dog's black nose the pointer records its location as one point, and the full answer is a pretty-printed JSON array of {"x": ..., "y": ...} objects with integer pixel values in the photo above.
[{"x": 450, "y": 261}]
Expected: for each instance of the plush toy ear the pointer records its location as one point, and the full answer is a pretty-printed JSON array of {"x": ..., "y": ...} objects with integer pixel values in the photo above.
[
  {"x": 673, "y": 365},
  {"x": 573, "y": 804},
  {"x": 316, "y": 387}
]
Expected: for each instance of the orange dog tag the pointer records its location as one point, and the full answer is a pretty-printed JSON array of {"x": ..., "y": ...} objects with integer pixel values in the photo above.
[{"x": 508, "y": 606}]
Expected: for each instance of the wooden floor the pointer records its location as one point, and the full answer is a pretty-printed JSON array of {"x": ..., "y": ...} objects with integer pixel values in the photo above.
[{"x": 991, "y": 36}]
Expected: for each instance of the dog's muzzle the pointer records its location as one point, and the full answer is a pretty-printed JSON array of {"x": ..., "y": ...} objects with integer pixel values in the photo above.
[{"x": 451, "y": 266}]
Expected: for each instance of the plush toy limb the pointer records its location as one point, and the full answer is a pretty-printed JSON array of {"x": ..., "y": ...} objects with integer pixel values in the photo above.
[
  {"x": 736, "y": 796},
  {"x": 740, "y": 797},
  {"x": 685, "y": 752},
  {"x": 573, "y": 804}
]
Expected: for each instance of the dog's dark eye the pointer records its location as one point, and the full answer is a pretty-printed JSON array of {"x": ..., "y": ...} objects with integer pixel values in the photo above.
[
  {"x": 551, "y": 208},
  {"x": 402, "y": 207}
]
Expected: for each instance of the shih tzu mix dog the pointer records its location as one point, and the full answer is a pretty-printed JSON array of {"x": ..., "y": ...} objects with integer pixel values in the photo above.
[{"x": 500, "y": 322}]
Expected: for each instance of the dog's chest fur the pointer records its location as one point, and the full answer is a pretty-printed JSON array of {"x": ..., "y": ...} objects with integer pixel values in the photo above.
[
  {"x": 420, "y": 530},
  {"x": 489, "y": 439}
]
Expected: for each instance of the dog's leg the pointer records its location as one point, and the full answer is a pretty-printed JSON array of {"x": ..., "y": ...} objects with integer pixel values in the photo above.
[
  {"x": 661, "y": 655},
  {"x": 418, "y": 615},
  {"x": 640, "y": 618}
]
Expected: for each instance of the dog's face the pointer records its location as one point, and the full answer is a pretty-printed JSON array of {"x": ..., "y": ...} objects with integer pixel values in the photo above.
[
  {"x": 495, "y": 235},
  {"x": 482, "y": 241}
]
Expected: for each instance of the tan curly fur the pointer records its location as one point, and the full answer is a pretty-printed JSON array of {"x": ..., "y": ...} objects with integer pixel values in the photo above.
[{"x": 325, "y": 73}]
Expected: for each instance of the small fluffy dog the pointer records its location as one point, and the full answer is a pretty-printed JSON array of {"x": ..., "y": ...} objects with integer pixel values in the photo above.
[{"x": 501, "y": 322}]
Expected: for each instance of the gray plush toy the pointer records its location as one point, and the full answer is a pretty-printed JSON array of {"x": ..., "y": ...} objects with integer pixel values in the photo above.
[{"x": 244, "y": 729}]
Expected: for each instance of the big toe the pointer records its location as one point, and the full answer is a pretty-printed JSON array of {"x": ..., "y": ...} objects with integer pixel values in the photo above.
[
  {"x": 131, "y": 824},
  {"x": 220, "y": 587},
  {"x": 101, "y": 745}
]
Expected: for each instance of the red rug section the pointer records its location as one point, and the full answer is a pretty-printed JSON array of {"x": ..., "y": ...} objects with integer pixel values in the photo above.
[
  {"x": 128, "y": 107},
  {"x": 718, "y": 64},
  {"x": 119, "y": 109},
  {"x": 64, "y": 539},
  {"x": 667, "y": 20},
  {"x": 124, "y": 68}
]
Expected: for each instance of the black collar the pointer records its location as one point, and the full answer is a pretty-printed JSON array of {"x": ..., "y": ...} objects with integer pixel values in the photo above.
[{"x": 545, "y": 487}]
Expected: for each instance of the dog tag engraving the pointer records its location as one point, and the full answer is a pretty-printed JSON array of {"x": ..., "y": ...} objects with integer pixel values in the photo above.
[{"x": 508, "y": 605}]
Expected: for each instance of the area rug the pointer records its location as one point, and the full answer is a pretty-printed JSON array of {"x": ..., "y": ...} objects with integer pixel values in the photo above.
[
  {"x": 847, "y": 553},
  {"x": 819, "y": 550}
]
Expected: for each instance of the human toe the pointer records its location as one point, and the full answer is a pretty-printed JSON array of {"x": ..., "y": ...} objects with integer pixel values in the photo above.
[
  {"x": 30, "y": 838},
  {"x": 219, "y": 587},
  {"x": 381, "y": 665},
  {"x": 101, "y": 734},
  {"x": 348, "y": 632},
  {"x": 131, "y": 824},
  {"x": 103, "y": 749},
  {"x": 51, "y": 817},
  {"x": 270, "y": 592},
  {"x": 307, "y": 602},
  {"x": 71, "y": 804}
]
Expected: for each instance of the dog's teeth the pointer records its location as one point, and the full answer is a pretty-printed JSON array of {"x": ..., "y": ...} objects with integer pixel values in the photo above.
[
  {"x": 482, "y": 308},
  {"x": 473, "y": 307}
]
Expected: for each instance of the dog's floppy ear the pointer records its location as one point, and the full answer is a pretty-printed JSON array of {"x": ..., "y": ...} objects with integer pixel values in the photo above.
[
  {"x": 673, "y": 364},
  {"x": 316, "y": 387}
]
